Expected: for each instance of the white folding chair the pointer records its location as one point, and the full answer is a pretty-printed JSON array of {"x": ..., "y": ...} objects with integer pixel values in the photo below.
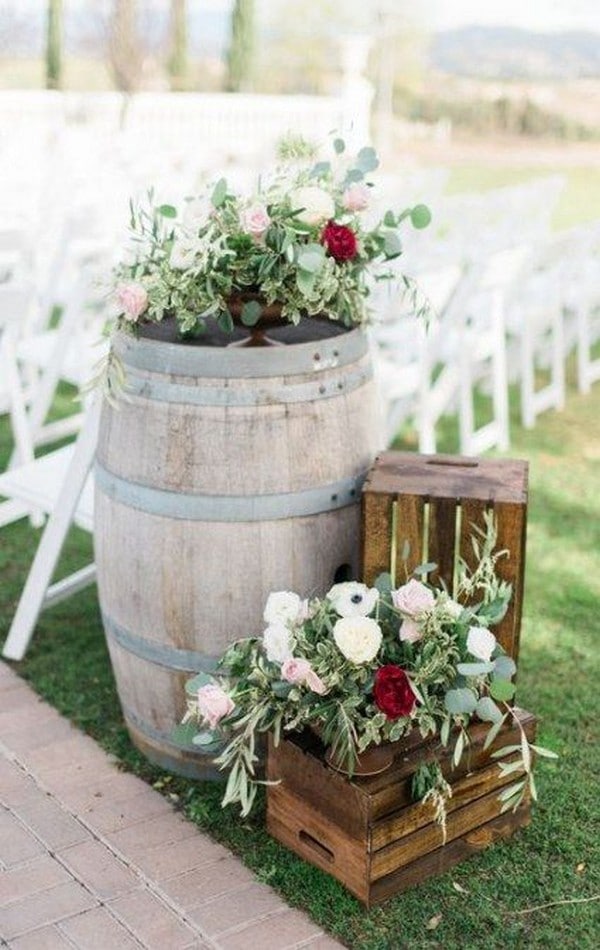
[{"x": 59, "y": 483}]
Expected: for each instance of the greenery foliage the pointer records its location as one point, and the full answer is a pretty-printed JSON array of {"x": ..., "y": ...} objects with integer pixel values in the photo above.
[
  {"x": 424, "y": 661},
  {"x": 301, "y": 240}
]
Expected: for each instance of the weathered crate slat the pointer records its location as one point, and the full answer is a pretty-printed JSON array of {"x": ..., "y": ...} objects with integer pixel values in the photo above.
[
  {"x": 368, "y": 832},
  {"x": 431, "y": 502}
]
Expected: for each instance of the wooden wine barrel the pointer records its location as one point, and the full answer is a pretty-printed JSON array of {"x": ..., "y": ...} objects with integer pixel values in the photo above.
[{"x": 224, "y": 473}]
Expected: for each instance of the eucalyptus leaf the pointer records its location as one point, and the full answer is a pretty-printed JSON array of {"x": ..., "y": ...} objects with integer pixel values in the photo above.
[
  {"x": 311, "y": 258},
  {"x": 320, "y": 169},
  {"x": 425, "y": 568},
  {"x": 383, "y": 583},
  {"x": 355, "y": 174},
  {"x": 251, "y": 312},
  {"x": 207, "y": 740},
  {"x": 504, "y": 667},
  {"x": 487, "y": 710},
  {"x": 339, "y": 146},
  {"x": 219, "y": 193},
  {"x": 420, "y": 216},
  {"x": 389, "y": 219},
  {"x": 367, "y": 160},
  {"x": 201, "y": 679},
  {"x": 502, "y": 690},
  {"x": 184, "y": 733},
  {"x": 167, "y": 211},
  {"x": 459, "y": 701},
  {"x": 306, "y": 282},
  {"x": 474, "y": 669},
  {"x": 392, "y": 244}
]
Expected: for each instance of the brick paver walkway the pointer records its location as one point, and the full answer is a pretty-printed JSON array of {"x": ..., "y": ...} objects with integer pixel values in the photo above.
[{"x": 93, "y": 858}]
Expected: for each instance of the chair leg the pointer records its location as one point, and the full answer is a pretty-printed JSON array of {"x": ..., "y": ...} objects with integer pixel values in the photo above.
[{"x": 33, "y": 597}]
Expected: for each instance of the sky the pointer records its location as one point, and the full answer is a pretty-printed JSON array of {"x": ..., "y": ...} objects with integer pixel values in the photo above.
[{"x": 543, "y": 15}]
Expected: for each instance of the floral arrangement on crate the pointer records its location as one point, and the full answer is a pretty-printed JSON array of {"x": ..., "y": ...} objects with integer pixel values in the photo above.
[
  {"x": 304, "y": 239},
  {"x": 366, "y": 666}
]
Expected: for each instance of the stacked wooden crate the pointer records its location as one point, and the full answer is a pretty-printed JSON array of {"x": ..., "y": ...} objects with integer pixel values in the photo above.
[{"x": 367, "y": 832}]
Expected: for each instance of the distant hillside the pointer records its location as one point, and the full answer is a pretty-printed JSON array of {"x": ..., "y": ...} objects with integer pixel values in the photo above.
[{"x": 508, "y": 53}]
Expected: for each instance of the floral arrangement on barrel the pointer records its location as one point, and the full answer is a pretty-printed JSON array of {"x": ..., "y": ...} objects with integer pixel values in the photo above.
[
  {"x": 364, "y": 667},
  {"x": 303, "y": 242}
]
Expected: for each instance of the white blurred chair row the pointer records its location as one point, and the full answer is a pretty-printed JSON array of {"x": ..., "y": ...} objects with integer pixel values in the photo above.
[{"x": 509, "y": 303}]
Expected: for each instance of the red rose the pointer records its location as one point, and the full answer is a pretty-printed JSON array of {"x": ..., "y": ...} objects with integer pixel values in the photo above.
[
  {"x": 393, "y": 692},
  {"x": 340, "y": 241}
]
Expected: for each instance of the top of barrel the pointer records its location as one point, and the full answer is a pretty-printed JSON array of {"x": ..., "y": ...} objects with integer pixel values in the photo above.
[{"x": 312, "y": 346}]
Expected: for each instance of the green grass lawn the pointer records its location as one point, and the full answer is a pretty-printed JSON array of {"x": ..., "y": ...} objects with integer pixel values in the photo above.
[
  {"x": 555, "y": 859},
  {"x": 578, "y": 203}
]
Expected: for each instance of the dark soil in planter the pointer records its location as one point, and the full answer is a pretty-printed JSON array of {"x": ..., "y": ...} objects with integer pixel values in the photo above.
[{"x": 312, "y": 328}]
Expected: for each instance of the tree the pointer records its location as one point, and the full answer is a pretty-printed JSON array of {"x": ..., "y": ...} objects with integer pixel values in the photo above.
[
  {"x": 53, "y": 45},
  {"x": 240, "y": 56},
  {"x": 124, "y": 46},
  {"x": 178, "y": 60}
]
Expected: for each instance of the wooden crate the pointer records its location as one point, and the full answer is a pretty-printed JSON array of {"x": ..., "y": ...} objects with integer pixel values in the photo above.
[
  {"x": 367, "y": 832},
  {"x": 431, "y": 501}
]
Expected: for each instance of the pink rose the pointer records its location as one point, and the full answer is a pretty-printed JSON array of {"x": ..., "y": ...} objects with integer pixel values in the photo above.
[
  {"x": 413, "y": 599},
  {"x": 356, "y": 197},
  {"x": 214, "y": 704},
  {"x": 409, "y": 631},
  {"x": 298, "y": 670},
  {"x": 132, "y": 300},
  {"x": 255, "y": 220}
]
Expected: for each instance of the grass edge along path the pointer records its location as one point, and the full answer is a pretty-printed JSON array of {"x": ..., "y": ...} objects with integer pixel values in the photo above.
[{"x": 536, "y": 890}]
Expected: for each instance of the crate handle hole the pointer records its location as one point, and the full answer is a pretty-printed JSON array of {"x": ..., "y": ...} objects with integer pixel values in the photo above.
[
  {"x": 316, "y": 846},
  {"x": 343, "y": 573},
  {"x": 450, "y": 463}
]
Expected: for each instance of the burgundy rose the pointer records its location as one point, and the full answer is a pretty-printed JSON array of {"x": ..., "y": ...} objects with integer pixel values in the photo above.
[
  {"x": 340, "y": 241},
  {"x": 393, "y": 692}
]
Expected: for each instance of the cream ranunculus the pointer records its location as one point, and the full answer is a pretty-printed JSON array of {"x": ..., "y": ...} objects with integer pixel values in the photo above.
[
  {"x": 358, "y": 638},
  {"x": 352, "y": 599},
  {"x": 277, "y": 643},
  {"x": 283, "y": 606},
  {"x": 316, "y": 204},
  {"x": 481, "y": 643}
]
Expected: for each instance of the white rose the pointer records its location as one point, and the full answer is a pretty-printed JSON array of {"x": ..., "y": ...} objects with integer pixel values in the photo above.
[
  {"x": 317, "y": 205},
  {"x": 351, "y": 599},
  {"x": 453, "y": 608},
  {"x": 197, "y": 212},
  {"x": 283, "y": 606},
  {"x": 358, "y": 638},
  {"x": 481, "y": 643},
  {"x": 183, "y": 254},
  {"x": 277, "y": 643}
]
